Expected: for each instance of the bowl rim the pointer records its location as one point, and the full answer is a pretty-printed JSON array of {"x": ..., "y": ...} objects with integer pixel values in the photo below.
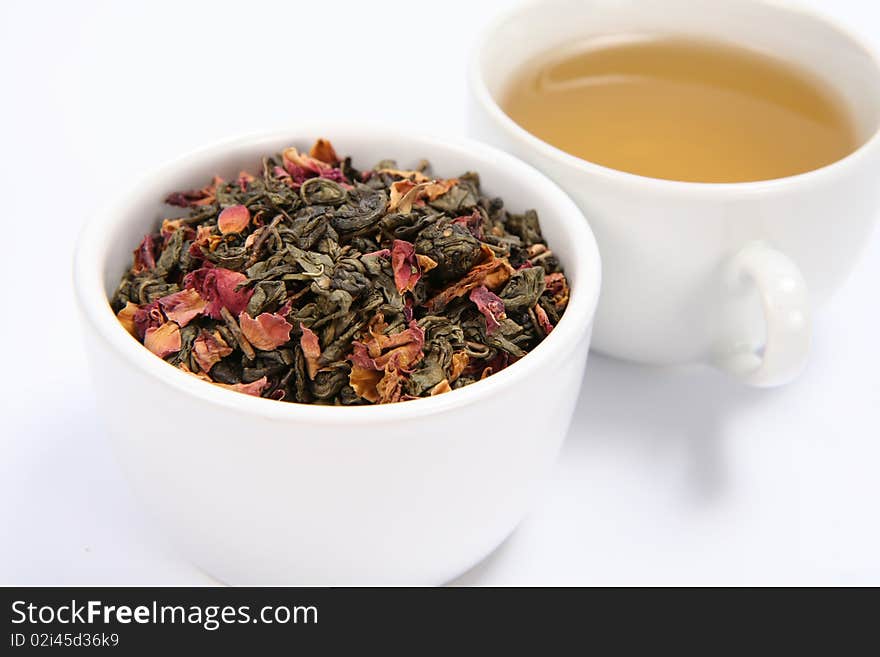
[
  {"x": 479, "y": 90},
  {"x": 93, "y": 247}
]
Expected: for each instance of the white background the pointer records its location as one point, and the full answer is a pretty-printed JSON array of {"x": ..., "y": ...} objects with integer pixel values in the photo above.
[{"x": 667, "y": 476}]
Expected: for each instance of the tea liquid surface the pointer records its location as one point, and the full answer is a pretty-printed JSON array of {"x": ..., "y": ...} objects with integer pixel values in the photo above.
[{"x": 681, "y": 109}]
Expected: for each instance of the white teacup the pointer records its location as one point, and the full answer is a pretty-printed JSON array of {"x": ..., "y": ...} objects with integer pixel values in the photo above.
[
  {"x": 699, "y": 272},
  {"x": 261, "y": 492}
]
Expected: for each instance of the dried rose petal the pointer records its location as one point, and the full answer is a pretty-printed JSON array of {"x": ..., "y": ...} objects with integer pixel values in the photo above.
[
  {"x": 282, "y": 174},
  {"x": 255, "y": 388},
  {"x": 557, "y": 285},
  {"x": 147, "y": 317},
  {"x": 294, "y": 160},
  {"x": 404, "y": 194},
  {"x": 543, "y": 320},
  {"x": 381, "y": 253},
  {"x": 296, "y": 175},
  {"x": 492, "y": 273},
  {"x": 426, "y": 264},
  {"x": 163, "y": 340},
  {"x": 364, "y": 381},
  {"x": 408, "y": 265},
  {"x": 126, "y": 317},
  {"x": 196, "y": 197},
  {"x": 473, "y": 222},
  {"x": 145, "y": 255},
  {"x": 209, "y": 348},
  {"x": 400, "y": 350},
  {"x": 182, "y": 307},
  {"x": 415, "y": 176},
  {"x": 407, "y": 271},
  {"x": 311, "y": 348},
  {"x": 408, "y": 192},
  {"x": 440, "y": 388},
  {"x": 390, "y": 386},
  {"x": 169, "y": 226},
  {"x": 205, "y": 237},
  {"x": 460, "y": 361},
  {"x": 438, "y": 188},
  {"x": 501, "y": 361},
  {"x": 244, "y": 179},
  {"x": 360, "y": 357},
  {"x": 323, "y": 150},
  {"x": 491, "y": 305},
  {"x": 218, "y": 287},
  {"x": 266, "y": 331},
  {"x": 335, "y": 175},
  {"x": 233, "y": 219}
]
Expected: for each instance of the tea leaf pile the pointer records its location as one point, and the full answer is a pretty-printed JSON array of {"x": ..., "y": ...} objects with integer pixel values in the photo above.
[{"x": 314, "y": 282}]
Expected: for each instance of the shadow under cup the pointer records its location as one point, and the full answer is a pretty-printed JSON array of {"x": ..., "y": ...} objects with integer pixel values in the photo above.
[{"x": 673, "y": 288}]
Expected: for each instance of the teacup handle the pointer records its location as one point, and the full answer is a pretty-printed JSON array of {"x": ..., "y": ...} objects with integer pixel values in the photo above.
[{"x": 786, "y": 306}]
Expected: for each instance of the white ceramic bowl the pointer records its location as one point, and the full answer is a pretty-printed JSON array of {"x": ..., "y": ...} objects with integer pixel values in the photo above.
[{"x": 261, "y": 492}]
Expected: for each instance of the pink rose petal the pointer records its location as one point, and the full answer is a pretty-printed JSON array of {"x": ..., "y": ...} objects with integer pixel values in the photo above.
[
  {"x": 473, "y": 222},
  {"x": 543, "y": 320},
  {"x": 311, "y": 349},
  {"x": 182, "y": 307},
  {"x": 126, "y": 317},
  {"x": 244, "y": 179},
  {"x": 147, "y": 317},
  {"x": 405, "y": 266},
  {"x": 218, "y": 287},
  {"x": 233, "y": 219},
  {"x": 294, "y": 160},
  {"x": 491, "y": 305},
  {"x": 209, "y": 349},
  {"x": 145, "y": 255},
  {"x": 323, "y": 150},
  {"x": 196, "y": 197},
  {"x": 267, "y": 331},
  {"x": 254, "y": 388},
  {"x": 163, "y": 340},
  {"x": 408, "y": 266}
]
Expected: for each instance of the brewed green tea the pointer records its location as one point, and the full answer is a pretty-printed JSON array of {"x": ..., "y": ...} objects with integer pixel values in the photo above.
[
  {"x": 315, "y": 282},
  {"x": 681, "y": 109}
]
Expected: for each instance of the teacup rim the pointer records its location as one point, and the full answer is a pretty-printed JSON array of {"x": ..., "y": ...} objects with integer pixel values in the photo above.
[
  {"x": 479, "y": 89},
  {"x": 91, "y": 254}
]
